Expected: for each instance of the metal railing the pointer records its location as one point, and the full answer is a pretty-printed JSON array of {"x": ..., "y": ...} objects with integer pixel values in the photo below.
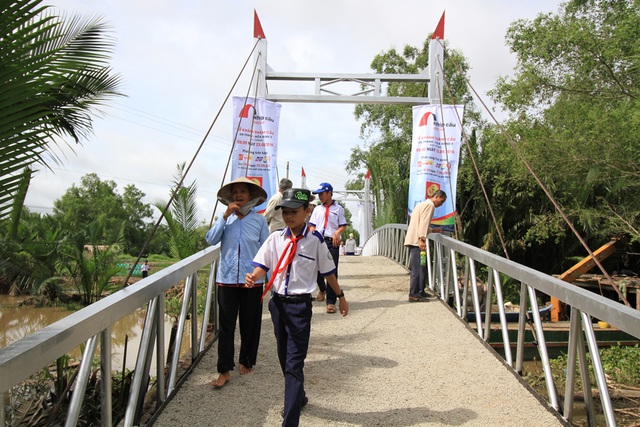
[
  {"x": 91, "y": 325},
  {"x": 452, "y": 271}
]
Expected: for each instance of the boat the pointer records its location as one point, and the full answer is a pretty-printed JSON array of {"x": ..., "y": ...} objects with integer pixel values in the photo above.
[
  {"x": 511, "y": 316},
  {"x": 556, "y": 336}
]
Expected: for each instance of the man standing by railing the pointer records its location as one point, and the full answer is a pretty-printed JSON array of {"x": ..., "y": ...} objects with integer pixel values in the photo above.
[{"x": 416, "y": 241}]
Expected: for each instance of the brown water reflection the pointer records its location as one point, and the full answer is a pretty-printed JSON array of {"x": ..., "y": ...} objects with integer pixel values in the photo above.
[{"x": 17, "y": 322}]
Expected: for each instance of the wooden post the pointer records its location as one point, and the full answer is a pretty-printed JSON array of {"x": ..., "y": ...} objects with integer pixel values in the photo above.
[{"x": 579, "y": 269}]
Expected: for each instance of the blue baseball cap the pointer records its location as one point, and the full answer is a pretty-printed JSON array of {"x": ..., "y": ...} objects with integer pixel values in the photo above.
[{"x": 325, "y": 186}]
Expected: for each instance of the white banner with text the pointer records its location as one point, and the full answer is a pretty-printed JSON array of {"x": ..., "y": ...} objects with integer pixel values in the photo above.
[
  {"x": 255, "y": 150},
  {"x": 435, "y": 154}
]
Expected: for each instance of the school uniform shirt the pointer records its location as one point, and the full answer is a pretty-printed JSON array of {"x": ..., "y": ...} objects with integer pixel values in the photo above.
[
  {"x": 242, "y": 239},
  {"x": 335, "y": 219},
  {"x": 312, "y": 256}
]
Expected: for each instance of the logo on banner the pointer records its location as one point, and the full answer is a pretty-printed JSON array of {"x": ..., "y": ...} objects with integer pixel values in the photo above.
[
  {"x": 430, "y": 188},
  {"x": 444, "y": 166},
  {"x": 255, "y": 180},
  {"x": 425, "y": 118},
  {"x": 244, "y": 113}
]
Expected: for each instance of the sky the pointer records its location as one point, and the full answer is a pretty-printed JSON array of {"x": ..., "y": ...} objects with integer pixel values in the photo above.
[{"x": 178, "y": 61}]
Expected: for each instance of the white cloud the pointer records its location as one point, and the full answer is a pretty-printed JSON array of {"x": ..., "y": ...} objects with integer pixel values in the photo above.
[{"x": 178, "y": 61}]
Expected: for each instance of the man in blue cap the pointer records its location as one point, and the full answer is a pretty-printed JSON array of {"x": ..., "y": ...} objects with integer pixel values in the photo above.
[{"x": 329, "y": 220}]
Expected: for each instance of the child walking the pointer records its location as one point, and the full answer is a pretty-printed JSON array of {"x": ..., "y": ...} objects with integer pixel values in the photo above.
[{"x": 295, "y": 255}]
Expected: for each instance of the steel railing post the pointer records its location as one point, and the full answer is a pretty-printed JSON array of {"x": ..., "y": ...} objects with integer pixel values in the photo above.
[
  {"x": 542, "y": 349},
  {"x": 84, "y": 372},
  {"x": 161, "y": 383},
  {"x": 503, "y": 318},
  {"x": 106, "y": 404},
  {"x": 605, "y": 399}
]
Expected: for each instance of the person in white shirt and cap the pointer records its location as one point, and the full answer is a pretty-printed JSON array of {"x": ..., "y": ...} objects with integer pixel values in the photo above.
[{"x": 329, "y": 220}]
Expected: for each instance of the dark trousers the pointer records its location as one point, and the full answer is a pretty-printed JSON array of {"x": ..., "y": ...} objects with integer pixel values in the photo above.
[
  {"x": 292, "y": 328},
  {"x": 234, "y": 302},
  {"x": 418, "y": 275},
  {"x": 322, "y": 284}
]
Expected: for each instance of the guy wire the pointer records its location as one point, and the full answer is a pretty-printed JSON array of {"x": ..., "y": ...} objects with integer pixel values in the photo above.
[
  {"x": 235, "y": 138},
  {"x": 475, "y": 166},
  {"x": 546, "y": 191},
  {"x": 186, "y": 171}
]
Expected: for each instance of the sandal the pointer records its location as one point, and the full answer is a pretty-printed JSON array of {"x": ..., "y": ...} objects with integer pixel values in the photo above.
[
  {"x": 331, "y": 308},
  {"x": 320, "y": 296}
]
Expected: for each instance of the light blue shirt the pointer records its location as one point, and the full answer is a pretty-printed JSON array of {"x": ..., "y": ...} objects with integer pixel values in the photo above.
[{"x": 241, "y": 239}]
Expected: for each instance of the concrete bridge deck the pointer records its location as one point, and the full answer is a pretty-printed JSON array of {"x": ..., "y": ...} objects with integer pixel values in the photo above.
[{"x": 389, "y": 363}]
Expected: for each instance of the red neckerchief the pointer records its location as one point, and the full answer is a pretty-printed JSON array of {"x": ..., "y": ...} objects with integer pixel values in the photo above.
[
  {"x": 326, "y": 216},
  {"x": 285, "y": 259}
]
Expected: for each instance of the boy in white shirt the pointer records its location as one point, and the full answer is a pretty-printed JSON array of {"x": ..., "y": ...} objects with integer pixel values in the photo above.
[{"x": 295, "y": 255}]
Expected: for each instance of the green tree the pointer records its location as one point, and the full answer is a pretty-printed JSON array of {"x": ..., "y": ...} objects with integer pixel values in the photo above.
[
  {"x": 136, "y": 229},
  {"x": 29, "y": 257},
  {"x": 387, "y": 129},
  {"x": 574, "y": 111},
  {"x": 89, "y": 264},
  {"x": 52, "y": 73},
  {"x": 97, "y": 202}
]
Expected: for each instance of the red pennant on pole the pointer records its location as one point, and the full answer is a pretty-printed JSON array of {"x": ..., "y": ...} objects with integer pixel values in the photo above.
[
  {"x": 303, "y": 174},
  {"x": 368, "y": 175},
  {"x": 258, "y": 33},
  {"x": 439, "y": 32}
]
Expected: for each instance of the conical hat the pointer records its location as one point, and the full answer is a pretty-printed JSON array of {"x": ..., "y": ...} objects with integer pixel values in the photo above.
[{"x": 225, "y": 197}]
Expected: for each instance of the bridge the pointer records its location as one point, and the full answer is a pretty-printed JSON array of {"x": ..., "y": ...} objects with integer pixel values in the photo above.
[{"x": 387, "y": 363}]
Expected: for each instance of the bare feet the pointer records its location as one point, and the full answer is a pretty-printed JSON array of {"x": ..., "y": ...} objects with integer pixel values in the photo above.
[
  {"x": 245, "y": 370},
  {"x": 223, "y": 378}
]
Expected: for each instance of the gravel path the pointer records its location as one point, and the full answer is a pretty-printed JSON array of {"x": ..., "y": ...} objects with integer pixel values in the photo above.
[{"x": 389, "y": 363}]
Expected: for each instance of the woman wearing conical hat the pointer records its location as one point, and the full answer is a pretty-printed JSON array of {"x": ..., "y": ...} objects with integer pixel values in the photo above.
[{"x": 240, "y": 232}]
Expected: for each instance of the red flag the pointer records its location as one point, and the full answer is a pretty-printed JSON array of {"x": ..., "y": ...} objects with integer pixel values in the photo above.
[
  {"x": 439, "y": 32},
  {"x": 258, "y": 33},
  {"x": 303, "y": 174},
  {"x": 368, "y": 175}
]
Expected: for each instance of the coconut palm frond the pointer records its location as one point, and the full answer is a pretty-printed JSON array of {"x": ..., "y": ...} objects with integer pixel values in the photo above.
[{"x": 53, "y": 74}]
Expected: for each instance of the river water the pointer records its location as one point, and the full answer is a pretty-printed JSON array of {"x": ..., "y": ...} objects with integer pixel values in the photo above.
[{"x": 18, "y": 321}]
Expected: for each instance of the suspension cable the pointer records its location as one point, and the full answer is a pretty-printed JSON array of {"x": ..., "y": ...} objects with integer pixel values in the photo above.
[
  {"x": 174, "y": 191},
  {"x": 475, "y": 167},
  {"x": 446, "y": 154},
  {"x": 543, "y": 187},
  {"x": 235, "y": 138}
]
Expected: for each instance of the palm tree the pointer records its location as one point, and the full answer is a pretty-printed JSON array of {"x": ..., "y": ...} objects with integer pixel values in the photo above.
[
  {"x": 182, "y": 218},
  {"x": 53, "y": 72}
]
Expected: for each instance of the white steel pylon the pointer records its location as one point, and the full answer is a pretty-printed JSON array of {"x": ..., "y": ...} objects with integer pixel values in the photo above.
[{"x": 369, "y": 89}]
